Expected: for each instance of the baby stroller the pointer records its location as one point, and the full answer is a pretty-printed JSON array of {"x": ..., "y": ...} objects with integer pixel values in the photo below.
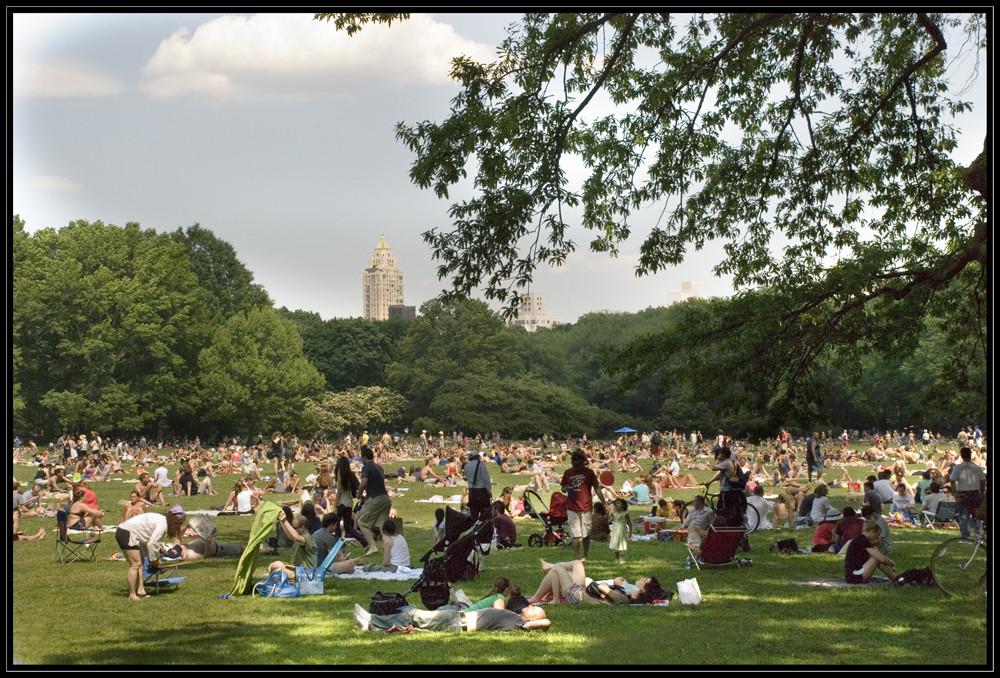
[
  {"x": 554, "y": 519},
  {"x": 463, "y": 537}
]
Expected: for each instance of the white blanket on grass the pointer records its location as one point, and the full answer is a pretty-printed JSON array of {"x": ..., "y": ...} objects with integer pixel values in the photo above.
[{"x": 402, "y": 574}]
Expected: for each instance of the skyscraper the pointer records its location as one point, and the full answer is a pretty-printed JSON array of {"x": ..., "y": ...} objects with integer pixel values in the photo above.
[{"x": 382, "y": 283}]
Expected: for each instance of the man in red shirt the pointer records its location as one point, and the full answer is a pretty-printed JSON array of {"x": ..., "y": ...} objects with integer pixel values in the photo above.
[{"x": 579, "y": 482}]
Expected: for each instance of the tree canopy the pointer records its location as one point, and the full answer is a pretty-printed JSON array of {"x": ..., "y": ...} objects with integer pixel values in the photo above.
[{"x": 818, "y": 148}]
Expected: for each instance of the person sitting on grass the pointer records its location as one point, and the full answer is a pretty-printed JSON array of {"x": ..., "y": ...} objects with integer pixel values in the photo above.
[
  {"x": 567, "y": 582},
  {"x": 864, "y": 557},
  {"x": 396, "y": 552},
  {"x": 133, "y": 506},
  {"x": 17, "y": 535},
  {"x": 303, "y": 545},
  {"x": 824, "y": 539},
  {"x": 325, "y": 540},
  {"x": 488, "y": 619}
]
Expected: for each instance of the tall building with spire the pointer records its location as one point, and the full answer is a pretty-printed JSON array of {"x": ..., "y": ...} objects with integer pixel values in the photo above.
[{"x": 382, "y": 283}]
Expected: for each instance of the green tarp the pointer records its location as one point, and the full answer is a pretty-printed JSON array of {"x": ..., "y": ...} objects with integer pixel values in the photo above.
[{"x": 263, "y": 524}]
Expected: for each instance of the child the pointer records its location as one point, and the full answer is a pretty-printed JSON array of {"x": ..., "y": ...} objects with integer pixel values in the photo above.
[{"x": 621, "y": 529}]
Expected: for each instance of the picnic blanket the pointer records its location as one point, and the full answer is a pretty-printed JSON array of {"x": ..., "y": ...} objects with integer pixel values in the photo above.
[
  {"x": 438, "y": 499},
  {"x": 841, "y": 583},
  {"x": 402, "y": 574}
]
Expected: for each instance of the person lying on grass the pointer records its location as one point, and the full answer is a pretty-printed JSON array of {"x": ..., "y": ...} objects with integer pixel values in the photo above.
[
  {"x": 488, "y": 619},
  {"x": 568, "y": 583}
]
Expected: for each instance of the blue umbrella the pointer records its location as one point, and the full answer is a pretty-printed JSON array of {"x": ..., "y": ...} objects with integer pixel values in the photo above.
[{"x": 625, "y": 429}]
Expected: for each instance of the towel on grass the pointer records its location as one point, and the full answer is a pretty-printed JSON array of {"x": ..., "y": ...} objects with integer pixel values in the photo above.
[{"x": 402, "y": 574}]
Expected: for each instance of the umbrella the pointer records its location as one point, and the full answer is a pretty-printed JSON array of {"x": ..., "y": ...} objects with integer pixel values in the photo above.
[{"x": 625, "y": 429}]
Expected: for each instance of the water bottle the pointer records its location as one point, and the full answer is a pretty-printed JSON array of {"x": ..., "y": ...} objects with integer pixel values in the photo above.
[
  {"x": 224, "y": 596},
  {"x": 687, "y": 563}
]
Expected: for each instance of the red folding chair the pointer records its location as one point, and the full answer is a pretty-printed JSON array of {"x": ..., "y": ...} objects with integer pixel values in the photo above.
[{"x": 719, "y": 548}]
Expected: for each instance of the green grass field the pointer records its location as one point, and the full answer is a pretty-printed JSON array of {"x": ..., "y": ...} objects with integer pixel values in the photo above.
[{"x": 80, "y": 613}]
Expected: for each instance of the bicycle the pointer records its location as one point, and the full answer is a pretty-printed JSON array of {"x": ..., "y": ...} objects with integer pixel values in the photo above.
[
  {"x": 959, "y": 565},
  {"x": 751, "y": 516}
]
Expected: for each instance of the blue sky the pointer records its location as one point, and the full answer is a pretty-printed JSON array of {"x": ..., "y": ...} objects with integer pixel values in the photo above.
[{"x": 277, "y": 133}]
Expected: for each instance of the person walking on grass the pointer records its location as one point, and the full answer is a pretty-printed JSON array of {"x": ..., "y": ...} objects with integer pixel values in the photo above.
[
  {"x": 579, "y": 482},
  {"x": 377, "y": 507}
]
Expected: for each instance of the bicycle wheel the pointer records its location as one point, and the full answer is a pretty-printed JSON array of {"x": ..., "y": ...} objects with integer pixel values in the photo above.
[
  {"x": 959, "y": 565},
  {"x": 751, "y": 518}
]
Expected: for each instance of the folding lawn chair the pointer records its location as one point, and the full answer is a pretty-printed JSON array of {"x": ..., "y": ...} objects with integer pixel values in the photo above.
[
  {"x": 80, "y": 546},
  {"x": 946, "y": 514},
  {"x": 161, "y": 579},
  {"x": 719, "y": 548}
]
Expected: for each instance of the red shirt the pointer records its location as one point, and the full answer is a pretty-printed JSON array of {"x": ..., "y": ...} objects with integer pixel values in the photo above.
[
  {"x": 823, "y": 533},
  {"x": 849, "y": 528},
  {"x": 580, "y": 484}
]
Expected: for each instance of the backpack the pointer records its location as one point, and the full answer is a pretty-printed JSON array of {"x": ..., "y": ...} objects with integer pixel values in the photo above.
[
  {"x": 786, "y": 546},
  {"x": 386, "y": 603},
  {"x": 738, "y": 481},
  {"x": 657, "y": 438},
  {"x": 922, "y": 577}
]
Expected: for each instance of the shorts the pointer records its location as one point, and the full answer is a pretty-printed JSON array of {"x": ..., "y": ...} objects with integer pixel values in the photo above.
[
  {"x": 123, "y": 537},
  {"x": 374, "y": 512},
  {"x": 578, "y": 523},
  {"x": 694, "y": 539},
  {"x": 815, "y": 464},
  {"x": 572, "y": 594}
]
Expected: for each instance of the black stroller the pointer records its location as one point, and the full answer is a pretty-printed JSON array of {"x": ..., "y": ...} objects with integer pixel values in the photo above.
[{"x": 463, "y": 535}]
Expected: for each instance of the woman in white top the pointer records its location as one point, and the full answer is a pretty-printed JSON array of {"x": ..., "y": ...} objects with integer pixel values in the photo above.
[
  {"x": 396, "y": 550},
  {"x": 140, "y": 536}
]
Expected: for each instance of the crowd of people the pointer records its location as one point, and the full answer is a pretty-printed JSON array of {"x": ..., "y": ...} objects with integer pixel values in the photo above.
[{"x": 350, "y": 494}]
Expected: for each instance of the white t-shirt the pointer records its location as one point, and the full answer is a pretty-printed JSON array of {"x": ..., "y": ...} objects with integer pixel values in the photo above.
[
  {"x": 674, "y": 469},
  {"x": 161, "y": 476},
  {"x": 243, "y": 501},
  {"x": 763, "y": 507},
  {"x": 399, "y": 554}
]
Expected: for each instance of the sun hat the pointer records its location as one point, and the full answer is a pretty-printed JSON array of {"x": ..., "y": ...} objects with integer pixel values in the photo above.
[
  {"x": 833, "y": 514},
  {"x": 178, "y": 511}
]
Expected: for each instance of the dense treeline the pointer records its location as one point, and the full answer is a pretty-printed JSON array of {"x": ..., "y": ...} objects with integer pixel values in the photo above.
[{"x": 128, "y": 331}]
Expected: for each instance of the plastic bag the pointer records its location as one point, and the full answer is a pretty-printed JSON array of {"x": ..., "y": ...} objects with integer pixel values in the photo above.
[
  {"x": 689, "y": 592},
  {"x": 276, "y": 585},
  {"x": 308, "y": 581}
]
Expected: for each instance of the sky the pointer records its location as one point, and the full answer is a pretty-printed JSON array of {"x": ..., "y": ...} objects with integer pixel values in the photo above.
[{"x": 275, "y": 132}]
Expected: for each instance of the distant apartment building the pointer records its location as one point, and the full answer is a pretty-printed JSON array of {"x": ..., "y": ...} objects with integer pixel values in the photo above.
[
  {"x": 382, "y": 284},
  {"x": 532, "y": 315},
  {"x": 689, "y": 290}
]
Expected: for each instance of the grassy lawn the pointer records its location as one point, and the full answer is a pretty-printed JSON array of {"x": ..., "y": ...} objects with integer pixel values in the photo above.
[{"x": 80, "y": 613}]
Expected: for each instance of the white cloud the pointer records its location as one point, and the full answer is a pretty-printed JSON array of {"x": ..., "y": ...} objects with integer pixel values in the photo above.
[
  {"x": 54, "y": 184},
  {"x": 290, "y": 56},
  {"x": 61, "y": 79}
]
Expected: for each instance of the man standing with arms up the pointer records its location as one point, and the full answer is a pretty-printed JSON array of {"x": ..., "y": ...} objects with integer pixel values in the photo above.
[{"x": 579, "y": 482}]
